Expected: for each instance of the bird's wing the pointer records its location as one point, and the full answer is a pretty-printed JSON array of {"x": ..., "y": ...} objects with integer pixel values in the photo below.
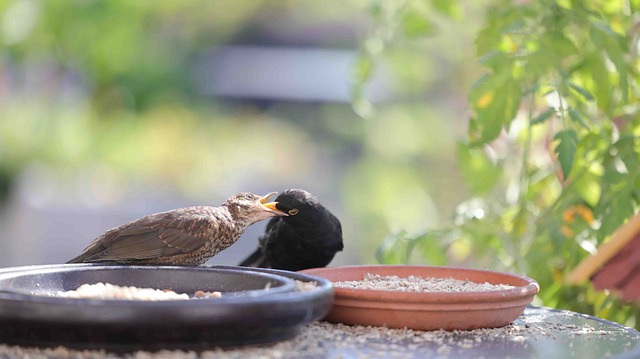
[
  {"x": 272, "y": 224},
  {"x": 149, "y": 237},
  {"x": 338, "y": 244},
  {"x": 256, "y": 259}
]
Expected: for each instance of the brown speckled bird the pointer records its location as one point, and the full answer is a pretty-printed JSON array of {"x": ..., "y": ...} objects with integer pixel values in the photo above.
[{"x": 185, "y": 236}]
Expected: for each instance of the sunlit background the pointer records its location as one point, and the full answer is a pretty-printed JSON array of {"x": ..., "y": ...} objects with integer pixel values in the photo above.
[{"x": 110, "y": 110}]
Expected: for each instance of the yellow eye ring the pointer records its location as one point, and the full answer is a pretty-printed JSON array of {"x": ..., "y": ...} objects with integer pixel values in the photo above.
[{"x": 293, "y": 212}]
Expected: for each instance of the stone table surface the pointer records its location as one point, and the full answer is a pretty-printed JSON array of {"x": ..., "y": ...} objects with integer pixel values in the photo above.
[{"x": 538, "y": 333}]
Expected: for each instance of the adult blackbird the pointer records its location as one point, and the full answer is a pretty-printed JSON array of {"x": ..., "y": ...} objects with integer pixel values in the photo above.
[
  {"x": 185, "y": 236},
  {"x": 308, "y": 238}
]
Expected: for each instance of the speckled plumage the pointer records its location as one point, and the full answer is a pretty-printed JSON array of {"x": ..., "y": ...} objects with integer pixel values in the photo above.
[{"x": 185, "y": 236}]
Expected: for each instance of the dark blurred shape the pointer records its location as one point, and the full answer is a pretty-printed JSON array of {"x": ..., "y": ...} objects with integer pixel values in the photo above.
[
  {"x": 622, "y": 273},
  {"x": 616, "y": 264}
]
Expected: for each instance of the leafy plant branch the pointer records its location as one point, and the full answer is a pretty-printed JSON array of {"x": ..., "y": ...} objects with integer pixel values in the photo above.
[{"x": 554, "y": 121}]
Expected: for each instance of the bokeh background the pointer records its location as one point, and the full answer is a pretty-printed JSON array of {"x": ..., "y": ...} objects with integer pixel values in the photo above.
[
  {"x": 493, "y": 134},
  {"x": 110, "y": 110}
]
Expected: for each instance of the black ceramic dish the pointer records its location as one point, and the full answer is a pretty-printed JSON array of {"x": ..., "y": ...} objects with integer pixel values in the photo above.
[
  {"x": 246, "y": 314},
  {"x": 47, "y": 281}
]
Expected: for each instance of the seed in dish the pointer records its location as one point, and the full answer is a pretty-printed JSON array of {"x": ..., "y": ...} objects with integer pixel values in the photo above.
[
  {"x": 418, "y": 284},
  {"x": 115, "y": 292}
]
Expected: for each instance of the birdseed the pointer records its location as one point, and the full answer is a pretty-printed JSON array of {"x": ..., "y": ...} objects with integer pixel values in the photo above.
[
  {"x": 327, "y": 340},
  {"x": 114, "y": 292},
  {"x": 418, "y": 284},
  {"x": 306, "y": 286},
  {"x": 205, "y": 295},
  {"x": 109, "y": 291}
]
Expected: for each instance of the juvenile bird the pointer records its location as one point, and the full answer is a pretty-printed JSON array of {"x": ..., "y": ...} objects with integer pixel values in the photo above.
[
  {"x": 185, "y": 236},
  {"x": 308, "y": 238}
]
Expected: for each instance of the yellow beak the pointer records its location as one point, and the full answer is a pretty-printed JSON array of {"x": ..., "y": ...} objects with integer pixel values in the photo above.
[{"x": 271, "y": 206}]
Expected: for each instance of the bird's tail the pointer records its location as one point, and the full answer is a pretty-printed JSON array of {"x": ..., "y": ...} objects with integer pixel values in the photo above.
[
  {"x": 78, "y": 259},
  {"x": 256, "y": 259}
]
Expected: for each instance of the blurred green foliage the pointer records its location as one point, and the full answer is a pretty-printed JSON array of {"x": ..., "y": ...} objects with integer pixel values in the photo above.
[
  {"x": 131, "y": 53},
  {"x": 553, "y": 150},
  {"x": 93, "y": 85}
]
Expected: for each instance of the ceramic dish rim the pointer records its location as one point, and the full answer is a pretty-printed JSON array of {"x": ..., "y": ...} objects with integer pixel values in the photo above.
[{"x": 529, "y": 288}]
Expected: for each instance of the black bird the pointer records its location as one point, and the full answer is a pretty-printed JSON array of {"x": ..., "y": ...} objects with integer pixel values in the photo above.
[
  {"x": 185, "y": 236},
  {"x": 309, "y": 237}
]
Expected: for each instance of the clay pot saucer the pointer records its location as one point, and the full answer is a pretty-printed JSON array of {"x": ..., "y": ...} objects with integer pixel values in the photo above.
[{"x": 428, "y": 310}]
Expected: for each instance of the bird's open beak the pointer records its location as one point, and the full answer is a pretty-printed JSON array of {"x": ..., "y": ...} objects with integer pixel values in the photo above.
[{"x": 271, "y": 206}]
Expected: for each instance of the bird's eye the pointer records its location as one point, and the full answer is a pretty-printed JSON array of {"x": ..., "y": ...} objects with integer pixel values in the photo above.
[
  {"x": 250, "y": 197},
  {"x": 293, "y": 212}
]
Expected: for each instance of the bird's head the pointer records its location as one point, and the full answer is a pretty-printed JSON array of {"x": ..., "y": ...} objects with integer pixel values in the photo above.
[
  {"x": 251, "y": 208},
  {"x": 300, "y": 205}
]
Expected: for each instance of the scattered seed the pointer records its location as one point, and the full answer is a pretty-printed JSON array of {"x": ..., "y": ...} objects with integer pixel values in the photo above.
[
  {"x": 115, "y": 292},
  {"x": 204, "y": 295},
  {"x": 418, "y": 284},
  {"x": 326, "y": 340},
  {"x": 110, "y": 291},
  {"x": 306, "y": 286}
]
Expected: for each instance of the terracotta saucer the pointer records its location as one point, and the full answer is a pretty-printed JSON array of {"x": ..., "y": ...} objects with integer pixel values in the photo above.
[{"x": 428, "y": 310}]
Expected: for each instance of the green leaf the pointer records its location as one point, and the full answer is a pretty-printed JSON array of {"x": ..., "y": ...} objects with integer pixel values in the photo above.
[
  {"x": 614, "y": 45},
  {"x": 495, "y": 99},
  {"x": 487, "y": 40},
  {"x": 627, "y": 148},
  {"x": 565, "y": 150},
  {"x": 495, "y": 59},
  {"x": 588, "y": 188},
  {"x": 596, "y": 68},
  {"x": 577, "y": 117},
  {"x": 561, "y": 45},
  {"x": 616, "y": 213},
  {"x": 394, "y": 249},
  {"x": 552, "y": 51},
  {"x": 480, "y": 173},
  {"x": 431, "y": 247},
  {"x": 542, "y": 117},
  {"x": 480, "y": 81},
  {"x": 586, "y": 94}
]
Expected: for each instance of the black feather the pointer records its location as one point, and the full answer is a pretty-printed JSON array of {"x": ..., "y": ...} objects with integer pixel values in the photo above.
[{"x": 309, "y": 238}]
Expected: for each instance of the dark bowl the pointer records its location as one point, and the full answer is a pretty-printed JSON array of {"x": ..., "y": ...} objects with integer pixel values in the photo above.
[
  {"x": 246, "y": 313},
  {"x": 47, "y": 282}
]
